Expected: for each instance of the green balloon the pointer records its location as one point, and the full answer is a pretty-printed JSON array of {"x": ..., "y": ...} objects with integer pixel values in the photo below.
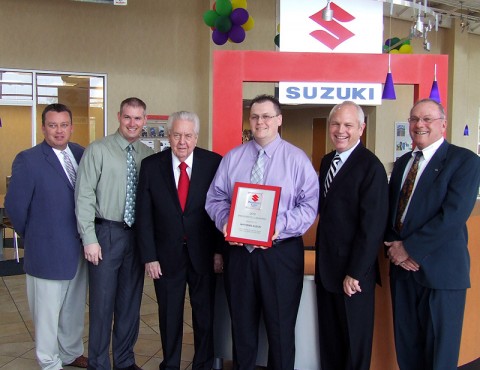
[
  {"x": 223, "y": 7},
  {"x": 276, "y": 40},
  {"x": 223, "y": 23},
  {"x": 209, "y": 17},
  {"x": 395, "y": 41}
]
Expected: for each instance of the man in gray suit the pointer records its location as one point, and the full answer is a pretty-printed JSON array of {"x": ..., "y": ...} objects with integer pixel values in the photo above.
[{"x": 40, "y": 205}]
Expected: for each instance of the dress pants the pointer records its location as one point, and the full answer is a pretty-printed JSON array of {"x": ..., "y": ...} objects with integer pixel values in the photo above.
[
  {"x": 345, "y": 329},
  {"x": 170, "y": 292},
  {"x": 269, "y": 282},
  {"x": 427, "y": 325},
  {"x": 115, "y": 293},
  {"x": 58, "y": 311}
]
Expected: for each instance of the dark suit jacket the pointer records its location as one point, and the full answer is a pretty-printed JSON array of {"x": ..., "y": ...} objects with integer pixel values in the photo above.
[
  {"x": 353, "y": 216},
  {"x": 40, "y": 204},
  {"x": 161, "y": 224},
  {"x": 434, "y": 231}
]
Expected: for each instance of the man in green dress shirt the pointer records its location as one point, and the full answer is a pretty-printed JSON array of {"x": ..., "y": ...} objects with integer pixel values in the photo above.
[{"x": 105, "y": 192}]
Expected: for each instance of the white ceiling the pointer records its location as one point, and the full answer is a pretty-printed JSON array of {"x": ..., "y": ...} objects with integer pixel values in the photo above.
[{"x": 465, "y": 11}]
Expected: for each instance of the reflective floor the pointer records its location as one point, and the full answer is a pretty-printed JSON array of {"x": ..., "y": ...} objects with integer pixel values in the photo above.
[{"x": 17, "y": 331}]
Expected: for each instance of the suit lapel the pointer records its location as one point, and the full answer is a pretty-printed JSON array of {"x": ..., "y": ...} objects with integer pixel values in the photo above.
[
  {"x": 166, "y": 168},
  {"x": 396, "y": 185},
  {"x": 431, "y": 172},
  {"x": 53, "y": 161},
  {"x": 345, "y": 169},
  {"x": 197, "y": 169}
]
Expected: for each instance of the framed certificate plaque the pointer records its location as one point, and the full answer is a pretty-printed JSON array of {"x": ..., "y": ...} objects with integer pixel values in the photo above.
[{"x": 253, "y": 214}]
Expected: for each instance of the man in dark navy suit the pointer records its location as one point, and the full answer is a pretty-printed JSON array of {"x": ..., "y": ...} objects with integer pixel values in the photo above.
[
  {"x": 432, "y": 192},
  {"x": 178, "y": 241},
  {"x": 40, "y": 204}
]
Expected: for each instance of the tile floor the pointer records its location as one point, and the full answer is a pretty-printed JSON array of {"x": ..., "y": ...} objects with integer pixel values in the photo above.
[{"x": 17, "y": 347}]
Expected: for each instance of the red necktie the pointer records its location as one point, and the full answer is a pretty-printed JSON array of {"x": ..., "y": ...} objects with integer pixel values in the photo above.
[{"x": 183, "y": 185}]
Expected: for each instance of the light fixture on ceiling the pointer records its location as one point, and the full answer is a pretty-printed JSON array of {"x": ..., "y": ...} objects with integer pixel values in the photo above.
[
  {"x": 389, "y": 88},
  {"x": 327, "y": 14},
  {"x": 463, "y": 21},
  {"x": 434, "y": 92}
]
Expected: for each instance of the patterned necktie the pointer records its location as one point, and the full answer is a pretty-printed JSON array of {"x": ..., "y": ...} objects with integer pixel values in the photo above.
[
  {"x": 406, "y": 191},
  {"x": 129, "y": 215},
  {"x": 183, "y": 184},
  {"x": 69, "y": 167},
  {"x": 256, "y": 177},
  {"x": 258, "y": 168},
  {"x": 331, "y": 173}
]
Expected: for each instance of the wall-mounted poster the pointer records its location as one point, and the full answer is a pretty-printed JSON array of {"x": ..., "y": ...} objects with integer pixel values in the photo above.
[{"x": 403, "y": 141}]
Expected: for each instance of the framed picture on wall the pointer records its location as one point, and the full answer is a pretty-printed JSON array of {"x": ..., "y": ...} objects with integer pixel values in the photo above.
[{"x": 403, "y": 141}]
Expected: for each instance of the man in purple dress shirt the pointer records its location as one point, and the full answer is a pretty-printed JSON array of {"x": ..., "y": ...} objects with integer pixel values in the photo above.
[{"x": 259, "y": 280}]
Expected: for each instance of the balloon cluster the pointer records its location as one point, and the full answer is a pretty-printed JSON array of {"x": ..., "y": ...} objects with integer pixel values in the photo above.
[
  {"x": 229, "y": 20},
  {"x": 397, "y": 46},
  {"x": 276, "y": 39}
]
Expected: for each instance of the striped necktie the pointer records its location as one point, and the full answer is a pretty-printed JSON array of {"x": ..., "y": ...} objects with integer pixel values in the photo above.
[
  {"x": 331, "y": 173},
  {"x": 72, "y": 175}
]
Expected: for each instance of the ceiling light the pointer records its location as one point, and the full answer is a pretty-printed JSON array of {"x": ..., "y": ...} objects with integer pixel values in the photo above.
[{"x": 327, "y": 14}]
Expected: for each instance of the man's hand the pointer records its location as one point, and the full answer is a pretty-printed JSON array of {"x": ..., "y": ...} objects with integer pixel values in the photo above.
[
  {"x": 351, "y": 286},
  {"x": 225, "y": 234},
  {"x": 217, "y": 263},
  {"x": 153, "y": 269},
  {"x": 398, "y": 255},
  {"x": 93, "y": 253}
]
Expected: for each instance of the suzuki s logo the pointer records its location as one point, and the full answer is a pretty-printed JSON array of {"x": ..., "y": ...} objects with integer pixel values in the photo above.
[{"x": 336, "y": 32}]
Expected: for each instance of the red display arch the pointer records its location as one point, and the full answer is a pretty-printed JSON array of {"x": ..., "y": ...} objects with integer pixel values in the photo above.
[{"x": 232, "y": 68}]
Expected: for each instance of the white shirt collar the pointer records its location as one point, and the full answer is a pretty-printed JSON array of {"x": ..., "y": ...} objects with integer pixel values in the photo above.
[
  {"x": 176, "y": 161},
  {"x": 430, "y": 150}
]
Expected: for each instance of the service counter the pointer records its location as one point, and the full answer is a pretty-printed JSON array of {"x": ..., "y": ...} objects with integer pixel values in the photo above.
[{"x": 383, "y": 352}]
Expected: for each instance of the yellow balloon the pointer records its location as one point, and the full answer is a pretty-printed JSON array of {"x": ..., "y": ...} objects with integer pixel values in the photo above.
[
  {"x": 394, "y": 51},
  {"x": 405, "y": 49},
  {"x": 248, "y": 25},
  {"x": 239, "y": 4},
  {"x": 278, "y": 28}
]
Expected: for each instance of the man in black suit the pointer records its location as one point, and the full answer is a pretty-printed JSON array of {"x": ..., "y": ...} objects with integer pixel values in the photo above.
[
  {"x": 353, "y": 209},
  {"x": 177, "y": 239},
  {"x": 427, "y": 242}
]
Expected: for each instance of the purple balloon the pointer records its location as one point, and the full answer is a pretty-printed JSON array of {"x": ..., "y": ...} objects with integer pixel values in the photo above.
[
  {"x": 239, "y": 16},
  {"x": 236, "y": 34},
  {"x": 219, "y": 38}
]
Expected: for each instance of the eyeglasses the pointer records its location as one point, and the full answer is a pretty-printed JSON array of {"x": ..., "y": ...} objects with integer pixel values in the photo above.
[
  {"x": 427, "y": 120},
  {"x": 188, "y": 137},
  {"x": 264, "y": 118},
  {"x": 54, "y": 126}
]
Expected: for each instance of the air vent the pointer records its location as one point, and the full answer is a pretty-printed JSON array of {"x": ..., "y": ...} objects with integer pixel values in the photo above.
[{"x": 111, "y": 2}]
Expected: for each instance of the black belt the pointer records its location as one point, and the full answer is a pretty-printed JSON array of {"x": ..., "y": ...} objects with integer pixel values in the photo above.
[
  {"x": 122, "y": 224},
  {"x": 286, "y": 240}
]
